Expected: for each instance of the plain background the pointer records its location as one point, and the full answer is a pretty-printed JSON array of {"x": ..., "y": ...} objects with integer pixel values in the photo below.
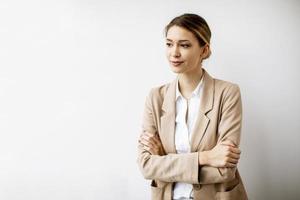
[{"x": 74, "y": 76}]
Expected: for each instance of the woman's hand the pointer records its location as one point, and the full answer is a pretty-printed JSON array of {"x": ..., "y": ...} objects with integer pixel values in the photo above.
[
  {"x": 224, "y": 154},
  {"x": 151, "y": 142}
]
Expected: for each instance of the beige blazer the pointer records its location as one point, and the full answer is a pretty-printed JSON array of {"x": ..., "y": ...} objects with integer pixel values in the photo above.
[{"x": 219, "y": 119}]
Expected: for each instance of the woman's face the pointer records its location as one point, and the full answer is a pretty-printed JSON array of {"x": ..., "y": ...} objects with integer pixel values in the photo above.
[{"x": 183, "y": 51}]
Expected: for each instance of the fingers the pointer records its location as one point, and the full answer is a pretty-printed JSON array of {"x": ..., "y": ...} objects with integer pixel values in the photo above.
[
  {"x": 235, "y": 150},
  {"x": 229, "y": 162},
  {"x": 150, "y": 140},
  {"x": 232, "y": 160},
  {"x": 234, "y": 155},
  {"x": 231, "y": 146},
  {"x": 149, "y": 149},
  {"x": 229, "y": 143},
  {"x": 156, "y": 140},
  {"x": 231, "y": 153},
  {"x": 231, "y": 165},
  {"x": 147, "y": 145},
  {"x": 144, "y": 139},
  {"x": 151, "y": 137}
]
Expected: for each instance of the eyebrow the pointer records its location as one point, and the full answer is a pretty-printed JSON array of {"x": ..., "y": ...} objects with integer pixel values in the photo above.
[{"x": 178, "y": 40}]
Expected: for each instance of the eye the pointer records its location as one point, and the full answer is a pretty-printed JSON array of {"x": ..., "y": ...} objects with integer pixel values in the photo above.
[
  {"x": 185, "y": 45},
  {"x": 168, "y": 44}
]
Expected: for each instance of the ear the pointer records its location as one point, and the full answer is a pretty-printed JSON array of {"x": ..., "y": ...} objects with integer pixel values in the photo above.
[{"x": 205, "y": 52}]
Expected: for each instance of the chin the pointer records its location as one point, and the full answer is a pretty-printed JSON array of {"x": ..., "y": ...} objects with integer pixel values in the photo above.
[{"x": 176, "y": 70}]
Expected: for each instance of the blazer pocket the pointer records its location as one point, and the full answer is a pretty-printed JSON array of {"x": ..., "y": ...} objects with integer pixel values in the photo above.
[
  {"x": 156, "y": 192},
  {"x": 234, "y": 194}
]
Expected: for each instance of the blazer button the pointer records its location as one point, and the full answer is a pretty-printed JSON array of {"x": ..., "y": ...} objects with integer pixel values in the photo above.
[{"x": 197, "y": 186}]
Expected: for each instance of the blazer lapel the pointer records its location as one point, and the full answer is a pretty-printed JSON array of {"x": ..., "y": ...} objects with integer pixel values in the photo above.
[
  {"x": 167, "y": 119},
  {"x": 206, "y": 105}
]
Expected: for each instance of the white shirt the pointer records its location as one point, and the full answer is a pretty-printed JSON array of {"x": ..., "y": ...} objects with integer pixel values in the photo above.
[{"x": 183, "y": 132}]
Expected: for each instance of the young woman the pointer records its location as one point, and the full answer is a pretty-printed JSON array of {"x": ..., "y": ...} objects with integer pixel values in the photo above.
[{"x": 189, "y": 146}]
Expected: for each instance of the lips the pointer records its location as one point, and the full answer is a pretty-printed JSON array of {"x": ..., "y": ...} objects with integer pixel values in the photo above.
[{"x": 176, "y": 63}]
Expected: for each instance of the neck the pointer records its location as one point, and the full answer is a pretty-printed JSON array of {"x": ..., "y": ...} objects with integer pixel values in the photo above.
[{"x": 188, "y": 81}]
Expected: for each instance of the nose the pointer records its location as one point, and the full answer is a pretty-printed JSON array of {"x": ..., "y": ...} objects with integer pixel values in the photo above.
[{"x": 175, "y": 51}]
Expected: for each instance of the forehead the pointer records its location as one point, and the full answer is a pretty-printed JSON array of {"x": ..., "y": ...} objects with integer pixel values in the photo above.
[{"x": 176, "y": 33}]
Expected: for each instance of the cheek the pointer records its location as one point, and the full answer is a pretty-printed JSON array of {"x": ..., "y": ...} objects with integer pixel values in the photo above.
[
  {"x": 188, "y": 56},
  {"x": 193, "y": 56},
  {"x": 168, "y": 53}
]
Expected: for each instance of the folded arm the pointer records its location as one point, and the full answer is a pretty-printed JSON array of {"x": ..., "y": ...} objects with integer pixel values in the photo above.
[
  {"x": 174, "y": 167},
  {"x": 167, "y": 168},
  {"x": 229, "y": 130}
]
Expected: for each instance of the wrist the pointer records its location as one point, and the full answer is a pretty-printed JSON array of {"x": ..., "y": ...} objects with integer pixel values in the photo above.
[{"x": 203, "y": 158}]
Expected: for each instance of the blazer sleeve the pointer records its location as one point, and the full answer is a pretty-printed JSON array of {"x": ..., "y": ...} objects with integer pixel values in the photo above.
[
  {"x": 229, "y": 129},
  {"x": 167, "y": 168}
]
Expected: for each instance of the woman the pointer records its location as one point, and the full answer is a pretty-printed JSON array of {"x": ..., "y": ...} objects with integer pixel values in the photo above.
[{"x": 189, "y": 146}]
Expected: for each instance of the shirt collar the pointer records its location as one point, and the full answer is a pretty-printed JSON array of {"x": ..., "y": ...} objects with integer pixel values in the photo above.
[{"x": 196, "y": 91}]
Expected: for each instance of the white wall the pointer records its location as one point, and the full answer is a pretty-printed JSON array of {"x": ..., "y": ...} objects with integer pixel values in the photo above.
[{"x": 74, "y": 76}]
